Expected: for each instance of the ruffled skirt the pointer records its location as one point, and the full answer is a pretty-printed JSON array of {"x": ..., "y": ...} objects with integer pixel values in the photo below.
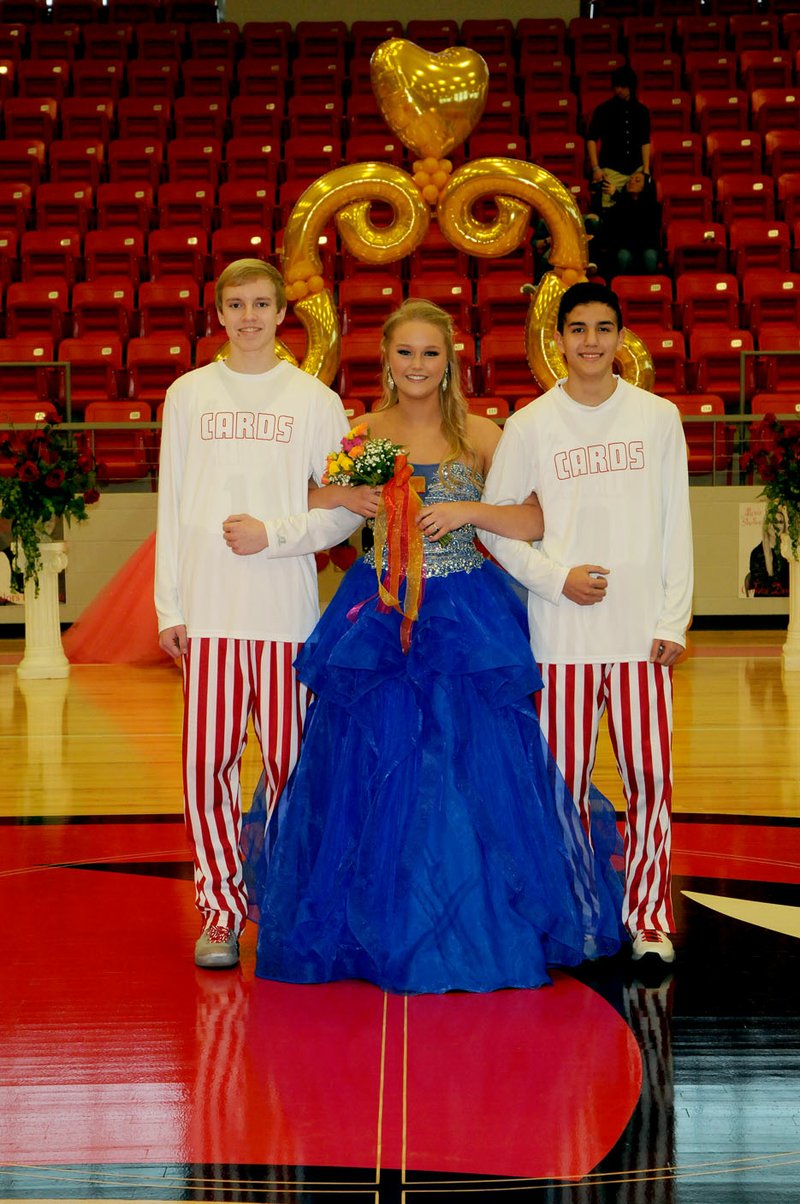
[{"x": 426, "y": 841}]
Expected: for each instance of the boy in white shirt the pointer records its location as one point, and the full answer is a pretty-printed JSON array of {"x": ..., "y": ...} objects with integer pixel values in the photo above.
[
  {"x": 610, "y": 583},
  {"x": 236, "y": 585}
]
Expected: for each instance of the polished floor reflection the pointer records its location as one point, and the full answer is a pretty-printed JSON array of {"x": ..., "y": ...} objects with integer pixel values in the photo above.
[{"x": 125, "y": 1073}]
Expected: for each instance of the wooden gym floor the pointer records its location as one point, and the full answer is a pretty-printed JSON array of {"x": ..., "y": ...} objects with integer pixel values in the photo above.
[{"x": 127, "y": 1074}]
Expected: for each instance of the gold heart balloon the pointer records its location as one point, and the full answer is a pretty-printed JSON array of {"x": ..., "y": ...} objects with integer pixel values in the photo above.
[{"x": 432, "y": 102}]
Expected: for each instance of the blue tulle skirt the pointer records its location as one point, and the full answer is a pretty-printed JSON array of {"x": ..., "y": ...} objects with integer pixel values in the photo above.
[{"x": 426, "y": 841}]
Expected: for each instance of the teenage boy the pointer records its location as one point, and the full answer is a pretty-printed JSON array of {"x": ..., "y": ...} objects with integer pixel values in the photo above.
[
  {"x": 236, "y": 586},
  {"x": 610, "y": 583}
]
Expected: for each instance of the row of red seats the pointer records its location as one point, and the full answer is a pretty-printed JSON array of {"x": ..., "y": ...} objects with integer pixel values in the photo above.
[
  {"x": 176, "y": 305},
  {"x": 103, "y": 368},
  {"x": 92, "y": 34},
  {"x": 160, "y": 118},
  {"x": 217, "y": 78}
]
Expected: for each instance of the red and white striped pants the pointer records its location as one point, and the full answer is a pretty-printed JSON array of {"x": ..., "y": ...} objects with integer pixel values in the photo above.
[
  {"x": 225, "y": 681},
  {"x": 637, "y": 697}
]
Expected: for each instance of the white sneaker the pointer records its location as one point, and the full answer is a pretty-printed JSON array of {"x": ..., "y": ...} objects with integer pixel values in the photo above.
[{"x": 649, "y": 941}]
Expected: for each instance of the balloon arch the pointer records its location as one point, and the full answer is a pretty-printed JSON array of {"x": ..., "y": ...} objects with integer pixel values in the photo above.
[{"x": 432, "y": 102}]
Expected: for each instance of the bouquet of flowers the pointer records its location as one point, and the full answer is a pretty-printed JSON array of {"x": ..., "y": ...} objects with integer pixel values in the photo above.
[
  {"x": 48, "y": 478},
  {"x": 361, "y": 460},
  {"x": 775, "y": 456}
]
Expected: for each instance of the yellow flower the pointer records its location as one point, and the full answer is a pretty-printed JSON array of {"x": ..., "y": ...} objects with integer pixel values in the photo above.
[
  {"x": 333, "y": 467},
  {"x": 345, "y": 463}
]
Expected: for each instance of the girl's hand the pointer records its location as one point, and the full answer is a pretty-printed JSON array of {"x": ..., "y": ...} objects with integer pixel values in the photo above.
[{"x": 440, "y": 518}]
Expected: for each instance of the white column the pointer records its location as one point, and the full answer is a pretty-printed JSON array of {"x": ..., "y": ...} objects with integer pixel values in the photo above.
[
  {"x": 791, "y": 649},
  {"x": 44, "y": 652}
]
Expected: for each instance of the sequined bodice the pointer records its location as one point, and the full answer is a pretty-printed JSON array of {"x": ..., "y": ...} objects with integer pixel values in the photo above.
[{"x": 458, "y": 554}]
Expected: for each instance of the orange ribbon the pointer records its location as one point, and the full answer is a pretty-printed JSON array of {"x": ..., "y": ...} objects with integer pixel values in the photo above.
[{"x": 397, "y": 531}]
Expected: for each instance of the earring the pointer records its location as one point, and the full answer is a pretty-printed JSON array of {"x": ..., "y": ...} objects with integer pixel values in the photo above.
[
  {"x": 445, "y": 379},
  {"x": 389, "y": 379}
]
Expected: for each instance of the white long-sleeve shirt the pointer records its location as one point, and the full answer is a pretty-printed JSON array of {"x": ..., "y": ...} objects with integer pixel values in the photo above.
[
  {"x": 234, "y": 443},
  {"x": 613, "y": 484}
]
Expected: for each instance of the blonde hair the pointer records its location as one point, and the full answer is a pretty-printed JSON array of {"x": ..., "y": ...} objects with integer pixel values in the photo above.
[
  {"x": 452, "y": 403},
  {"x": 242, "y": 271}
]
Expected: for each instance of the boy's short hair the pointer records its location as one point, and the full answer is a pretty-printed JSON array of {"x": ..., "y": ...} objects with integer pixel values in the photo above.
[
  {"x": 585, "y": 293},
  {"x": 624, "y": 77},
  {"x": 241, "y": 271}
]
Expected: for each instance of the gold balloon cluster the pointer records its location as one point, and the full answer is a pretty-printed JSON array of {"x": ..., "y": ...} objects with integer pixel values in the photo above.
[{"x": 432, "y": 102}]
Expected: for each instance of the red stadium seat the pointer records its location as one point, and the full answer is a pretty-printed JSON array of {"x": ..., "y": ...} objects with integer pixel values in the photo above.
[
  {"x": 771, "y": 297},
  {"x": 101, "y": 308},
  {"x": 676, "y": 152},
  {"x": 178, "y": 252},
  {"x": 756, "y": 243},
  {"x": 683, "y": 196},
  {"x": 30, "y": 118},
  {"x": 505, "y": 371},
  {"x": 168, "y": 307},
  {"x": 668, "y": 352},
  {"x": 711, "y": 69},
  {"x": 22, "y": 161},
  {"x": 135, "y": 160},
  {"x": 694, "y": 245},
  {"x": 709, "y": 445},
  {"x": 153, "y": 364},
  {"x": 256, "y": 117},
  {"x": 36, "y": 309},
  {"x": 52, "y": 254},
  {"x": 96, "y": 369},
  {"x": 766, "y": 69},
  {"x": 721, "y": 109},
  {"x": 716, "y": 355},
  {"x": 152, "y": 79},
  {"x": 123, "y": 454},
  {"x": 15, "y": 206},
  {"x": 186, "y": 204},
  {"x": 776, "y": 109},
  {"x": 246, "y": 203},
  {"x": 200, "y": 117},
  {"x": 229, "y": 243},
  {"x": 64, "y": 206},
  {"x": 364, "y": 304},
  {"x": 117, "y": 252},
  {"x": 645, "y": 300},
  {"x": 707, "y": 299},
  {"x": 196, "y": 159},
  {"x": 743, "y": 195},
  {"x": 124, "y": 205},
  {"x": 76, "y": 161},
  {"x": 30, "y": 380}
]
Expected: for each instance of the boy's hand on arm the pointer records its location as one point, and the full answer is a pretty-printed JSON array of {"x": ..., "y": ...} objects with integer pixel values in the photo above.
[
  {"x": 586, "y": 584},
  {"x": 244, "y": 534},
  {"x": 172, "y": 640},
  {"x": 359, "y": 499}
]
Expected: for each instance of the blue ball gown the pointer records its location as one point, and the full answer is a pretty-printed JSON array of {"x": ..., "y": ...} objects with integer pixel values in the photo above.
[{"x": 426, "y": 841}]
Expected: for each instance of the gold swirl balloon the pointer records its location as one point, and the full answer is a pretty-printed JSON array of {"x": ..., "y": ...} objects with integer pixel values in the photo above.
[
  {"x": 516, "y": 187},
  {"x": 346, "y": 195},
  {"x": 547, "y": 364},
  {"x": 432, "y": 102}
]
